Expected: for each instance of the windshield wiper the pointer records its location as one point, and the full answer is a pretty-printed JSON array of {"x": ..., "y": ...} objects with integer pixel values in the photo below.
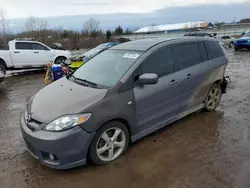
[
  {"x": 79, "y": 81},
  {"x": 86, "y": 82}
]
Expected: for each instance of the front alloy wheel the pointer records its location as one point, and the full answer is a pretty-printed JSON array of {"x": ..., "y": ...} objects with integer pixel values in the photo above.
[{"x": 109, "y": 143}]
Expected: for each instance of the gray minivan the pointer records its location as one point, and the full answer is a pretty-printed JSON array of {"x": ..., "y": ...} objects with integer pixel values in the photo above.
[{"x": 120, "y": 96}]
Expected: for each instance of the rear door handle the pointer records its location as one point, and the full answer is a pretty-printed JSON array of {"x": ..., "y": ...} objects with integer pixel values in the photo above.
[
  {"x": 188, "y": 76},
  {"x": 173, "y": 82},
  {"x": 16, "y": 52},
  {"x": 36, "y": 52}
]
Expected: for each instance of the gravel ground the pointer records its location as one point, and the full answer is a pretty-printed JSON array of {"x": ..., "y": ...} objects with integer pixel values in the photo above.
[{"x": 202, "y": 150}]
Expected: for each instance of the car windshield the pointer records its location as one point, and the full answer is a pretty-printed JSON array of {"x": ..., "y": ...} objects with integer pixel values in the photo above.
[
  {"x": 247, "y": 34},
  {"x": 107, "y": 68}
]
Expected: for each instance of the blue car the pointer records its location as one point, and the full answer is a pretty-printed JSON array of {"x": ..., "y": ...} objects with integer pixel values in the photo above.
[{"x": 243, "y": 42}]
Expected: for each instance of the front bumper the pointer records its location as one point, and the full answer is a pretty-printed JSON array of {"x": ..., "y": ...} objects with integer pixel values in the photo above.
[
  {"x": 242, "y": 45},
  {"x": 69, "y": 147}
]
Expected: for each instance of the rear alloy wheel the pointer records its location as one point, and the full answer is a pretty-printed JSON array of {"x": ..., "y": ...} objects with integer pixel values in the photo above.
[
  {"x": 109, "y": 143},
  {"x": 213, "y": 98}
]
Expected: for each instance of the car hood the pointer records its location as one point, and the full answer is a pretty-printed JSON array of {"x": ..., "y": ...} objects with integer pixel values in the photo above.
[
  {"x": 63, "y": 97},
  {"x": 244, "y": 38}
]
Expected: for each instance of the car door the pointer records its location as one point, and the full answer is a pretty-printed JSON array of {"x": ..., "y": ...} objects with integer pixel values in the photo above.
[
  {"x": 22, "y": 56},
  {"x": 42, "y": 55},
  {"x": 157, "y": 103},
  {"x": 188, "y": 57}
]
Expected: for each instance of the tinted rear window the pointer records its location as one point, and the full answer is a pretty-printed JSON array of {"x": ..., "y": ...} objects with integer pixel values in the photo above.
[
  {"x": 187, "y": 55},
  {"x": 23, "y": 46},
  {"x": 214, "y": 49}
]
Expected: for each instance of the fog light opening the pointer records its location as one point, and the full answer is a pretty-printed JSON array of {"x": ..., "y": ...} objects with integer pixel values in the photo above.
[{"x": 52, "y": 157}]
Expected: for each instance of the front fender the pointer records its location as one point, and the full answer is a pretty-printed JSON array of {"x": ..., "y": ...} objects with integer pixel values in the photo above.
[{"x": 119, "y": 106}]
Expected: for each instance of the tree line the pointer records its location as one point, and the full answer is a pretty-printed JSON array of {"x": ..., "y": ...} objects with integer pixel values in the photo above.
[{"x": 37, "y": 29}]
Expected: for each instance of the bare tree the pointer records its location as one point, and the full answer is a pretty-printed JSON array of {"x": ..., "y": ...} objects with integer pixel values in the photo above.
[
  {"x": 91, "y": 27},
  {"x": 3, "y": 25},
  {"x": 36, "y": 27},
  {"x": 59, "y": 31}
]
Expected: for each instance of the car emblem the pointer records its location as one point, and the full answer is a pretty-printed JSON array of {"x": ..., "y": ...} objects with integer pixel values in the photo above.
[{"x": 28, "y": 118}]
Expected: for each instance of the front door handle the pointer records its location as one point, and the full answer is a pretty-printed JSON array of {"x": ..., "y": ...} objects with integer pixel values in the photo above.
[
  {"x": 173, "y": 82},
  {"x": 36, "y": 52},
  {"x": 188, "y": 76},
  {"x": 16, "y": 52}
]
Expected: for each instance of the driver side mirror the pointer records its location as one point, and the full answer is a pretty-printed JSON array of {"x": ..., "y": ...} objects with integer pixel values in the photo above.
[{"x": 148, "y": 79}]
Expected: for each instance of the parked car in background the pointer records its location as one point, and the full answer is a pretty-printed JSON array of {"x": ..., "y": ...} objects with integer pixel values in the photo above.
[
  {"x": 75, "y": 62},
  {"x": 227, "y": 41},
  {"x": 29, "y": 54},
  {"x": 57, "y": 46},
  {"x": 120, "y": 96},
  {"x": 201, "y": 34},
  {"x": 243, "y": 42}
]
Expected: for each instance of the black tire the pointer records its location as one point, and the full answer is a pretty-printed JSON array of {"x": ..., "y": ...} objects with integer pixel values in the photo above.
[
  {"x": 2, "y": 69},
  {"x": 92, "y": 153},
  {"x": 212, "y": 100},
  {"x": 60, "y": 60},
  {"x": 236, "y": 49},
  {"x": 231, "y": 45}
]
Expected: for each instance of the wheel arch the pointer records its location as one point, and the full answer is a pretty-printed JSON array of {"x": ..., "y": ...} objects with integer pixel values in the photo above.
[
  {"x": 122, "y": 120},
  {"x": 2, "y": 62},
  {"x": 222, "y": 83}
]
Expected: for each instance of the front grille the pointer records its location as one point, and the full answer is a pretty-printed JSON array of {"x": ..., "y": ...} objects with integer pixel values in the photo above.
[{"x": 33, "y": 124}]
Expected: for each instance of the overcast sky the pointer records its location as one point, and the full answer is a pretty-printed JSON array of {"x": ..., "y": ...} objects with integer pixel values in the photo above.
[{"x": 46, "y": 8}]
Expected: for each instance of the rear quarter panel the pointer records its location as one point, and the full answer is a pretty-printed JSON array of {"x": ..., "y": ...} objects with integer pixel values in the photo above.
[
  {"x": 213, "y": 70},
  {"x": 5, "y": 55}
]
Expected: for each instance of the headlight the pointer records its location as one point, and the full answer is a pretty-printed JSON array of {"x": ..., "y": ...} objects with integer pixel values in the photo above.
[{"x": 67, "y": 122}]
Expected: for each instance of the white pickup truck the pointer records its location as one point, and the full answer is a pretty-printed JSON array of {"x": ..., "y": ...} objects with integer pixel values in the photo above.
[{"x": 29, "y": 54}]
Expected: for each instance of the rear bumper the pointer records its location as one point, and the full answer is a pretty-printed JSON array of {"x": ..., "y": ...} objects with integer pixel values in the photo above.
[{"x": 69, "y": 147}]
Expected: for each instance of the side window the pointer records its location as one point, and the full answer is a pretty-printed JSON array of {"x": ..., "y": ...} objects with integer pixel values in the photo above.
[
  {"x": 23, "y": 46},
  {"x": 203, "y": 51},
  {"x": 214, "y": 49},
  {"x": 187, "y": 55},
  {"x": 160, "y": 63},
  {"x": 37, "y": 46}
]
